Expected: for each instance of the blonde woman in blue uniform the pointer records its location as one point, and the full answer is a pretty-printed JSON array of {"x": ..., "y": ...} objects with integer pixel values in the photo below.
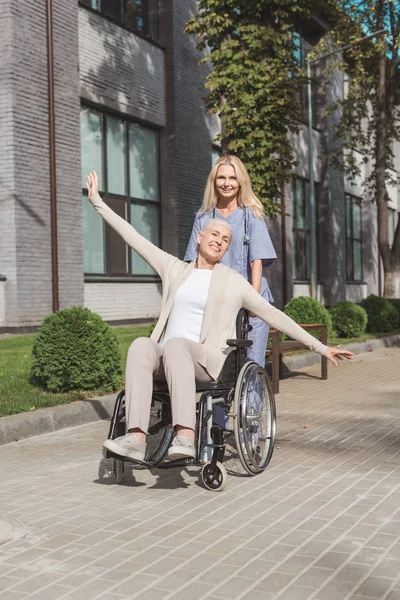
[{"x": 229, "y": 196}]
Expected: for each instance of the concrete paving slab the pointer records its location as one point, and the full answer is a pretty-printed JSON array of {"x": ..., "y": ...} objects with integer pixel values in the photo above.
[{"x": 322, "y": 522}]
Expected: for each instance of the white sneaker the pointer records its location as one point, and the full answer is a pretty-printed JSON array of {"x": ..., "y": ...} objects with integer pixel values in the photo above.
[
  {"x": 181, "y": 447},
  {"x": 128, "y": 446}
]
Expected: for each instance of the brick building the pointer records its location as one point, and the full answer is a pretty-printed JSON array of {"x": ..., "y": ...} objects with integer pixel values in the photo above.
[{"x": 127, "y": 95}]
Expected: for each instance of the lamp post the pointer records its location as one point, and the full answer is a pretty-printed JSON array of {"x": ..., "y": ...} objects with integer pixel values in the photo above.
[{"x": 313, "y": 228}]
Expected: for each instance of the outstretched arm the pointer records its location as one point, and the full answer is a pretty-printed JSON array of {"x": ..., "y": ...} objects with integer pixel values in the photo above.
[
  {"x": 271, "y": 315},
  {"x": 154, "y": 256}
]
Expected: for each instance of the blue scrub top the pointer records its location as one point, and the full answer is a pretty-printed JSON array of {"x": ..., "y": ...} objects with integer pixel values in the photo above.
[{"x": 244, "y": 248}]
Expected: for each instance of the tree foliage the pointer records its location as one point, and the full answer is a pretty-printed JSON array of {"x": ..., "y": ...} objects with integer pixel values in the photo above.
[
  {"x": 254, "y": 83},
  {"x": 369, "y": 123}
]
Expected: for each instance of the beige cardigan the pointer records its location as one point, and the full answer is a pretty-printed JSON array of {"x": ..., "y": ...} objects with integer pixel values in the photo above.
[{"x": 229, "y": 292}]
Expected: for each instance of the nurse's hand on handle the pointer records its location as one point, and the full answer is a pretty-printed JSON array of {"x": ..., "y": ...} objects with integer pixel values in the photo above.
[
  {"x": 331, "y": 352},
  {"x": 92, "y": 183}
]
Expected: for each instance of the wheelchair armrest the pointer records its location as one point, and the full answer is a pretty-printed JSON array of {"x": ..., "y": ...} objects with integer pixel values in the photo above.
[{"x": 240, "y": 343}]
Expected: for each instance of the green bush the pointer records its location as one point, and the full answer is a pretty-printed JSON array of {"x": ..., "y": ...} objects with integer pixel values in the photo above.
[
  {"x": 307, "y": 310},
  {"x": 348, "y": 319},
  {"x": 396, "y": 303},
  {"x": 76, "y": 350},
  {"x": 382, "y": 315}
]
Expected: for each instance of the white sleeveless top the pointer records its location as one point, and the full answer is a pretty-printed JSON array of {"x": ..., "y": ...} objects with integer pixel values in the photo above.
[{"x": 187, "y": 312}]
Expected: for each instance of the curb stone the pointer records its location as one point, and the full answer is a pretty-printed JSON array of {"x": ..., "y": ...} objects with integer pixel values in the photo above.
[
  {"x": 300, "y": 361},
  {"x": 45, "y": 420}
]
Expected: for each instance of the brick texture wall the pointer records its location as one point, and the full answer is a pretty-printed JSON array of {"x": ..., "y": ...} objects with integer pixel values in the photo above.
[
  {"x": 186, "y": 141},
  {"x": 120, "y": 70},
  {"x": 7, "y": 166},
  {"x": 27, "y": 260},
  {"x": 124, "y": 301}
]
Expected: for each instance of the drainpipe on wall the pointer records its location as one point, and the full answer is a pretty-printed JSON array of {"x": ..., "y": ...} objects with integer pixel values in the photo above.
[{"x": 52, "y": 157}]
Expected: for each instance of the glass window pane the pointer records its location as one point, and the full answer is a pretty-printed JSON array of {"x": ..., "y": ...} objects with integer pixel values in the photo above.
[
  {"x": 300, "y": 205},
  {"x": 298, "y": 48},
  {"x": 306, "y": 204},
  {"x": 93, "y": 239},
  {"x": 134, "y": 15},
  {"x": 91, "y": 145},
  {"x": 357, "y": 261},
  {"x": 145, "y": 221},
  {"x": 91, "y": 3},
  {"x": 153, "y": 18},
  {"x": 348, "y": 216},
  {"x": 356, "y": 219},
  {"x": 116, "y": 181},
  {"x": 112, "y": 8},
  {"x": 142, "y": 162},
  {"x": 349, "y": 260},
  {"x": 392, "y": 225},
  {"x": 215, "y": 155},
  {"x": 117, "y": 249}
]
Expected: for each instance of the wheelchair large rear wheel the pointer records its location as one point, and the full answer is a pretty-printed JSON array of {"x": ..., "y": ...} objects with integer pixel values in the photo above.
[{"x": 255, "y": 418}]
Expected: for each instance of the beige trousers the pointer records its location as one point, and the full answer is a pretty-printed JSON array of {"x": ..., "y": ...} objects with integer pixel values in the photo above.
[{"x": 177, "y": 363}]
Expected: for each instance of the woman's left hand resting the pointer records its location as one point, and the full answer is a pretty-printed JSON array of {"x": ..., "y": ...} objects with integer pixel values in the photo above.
[
  {"x": 92, "y": 183},
  {"x": 331, "y": 352}
]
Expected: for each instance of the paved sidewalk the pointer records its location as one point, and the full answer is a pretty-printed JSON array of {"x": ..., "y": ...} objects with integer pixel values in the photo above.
[{"x": 322, "y": 523}]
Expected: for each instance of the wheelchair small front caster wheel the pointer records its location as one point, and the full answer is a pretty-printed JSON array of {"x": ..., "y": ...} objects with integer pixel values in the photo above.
[
  {"x": 118, "y": 470},
  {"x": 214, "y": 479}
]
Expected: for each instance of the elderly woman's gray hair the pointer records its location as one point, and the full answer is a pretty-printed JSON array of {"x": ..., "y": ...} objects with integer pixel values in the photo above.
[{"x": 215, "y": 221}]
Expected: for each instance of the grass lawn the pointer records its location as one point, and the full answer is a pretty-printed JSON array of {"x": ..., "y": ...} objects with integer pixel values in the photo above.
[{"x": 17, "y": 394}]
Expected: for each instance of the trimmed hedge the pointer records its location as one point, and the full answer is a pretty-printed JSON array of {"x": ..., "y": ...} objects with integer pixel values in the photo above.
[
  {"x": 76, "y": 350},
  {"x": 307, "y": 310},
  {"x": 382, "y": 315},
  {"x": 396, "y": 303},
  {"x": 348, "y": 319}
]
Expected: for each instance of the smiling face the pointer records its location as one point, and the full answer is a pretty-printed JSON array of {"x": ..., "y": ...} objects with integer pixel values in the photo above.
[
  {"x": 213, "y": 242},
  {"x": 226, "y": 183}
]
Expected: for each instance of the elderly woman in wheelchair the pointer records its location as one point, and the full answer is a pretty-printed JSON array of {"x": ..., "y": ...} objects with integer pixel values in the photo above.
[{"x": 190, "y": 343}]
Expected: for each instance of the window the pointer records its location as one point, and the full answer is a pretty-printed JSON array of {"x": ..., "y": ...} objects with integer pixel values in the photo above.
[
  {"x": 215, "y": 155},
  {"x": 137, "y": 15},
  {"x": 299, "y": 48},
  {"x": 392, "y": 224},
  {"x": 124, "y": 155},
  {"x": 302, "y": 228},
  {"x": 353, "y": 238},
  {"x": 300, "y": 58}
]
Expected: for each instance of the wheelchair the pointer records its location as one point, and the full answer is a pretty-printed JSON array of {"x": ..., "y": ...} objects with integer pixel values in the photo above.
[{"x": 243, "y": 391}]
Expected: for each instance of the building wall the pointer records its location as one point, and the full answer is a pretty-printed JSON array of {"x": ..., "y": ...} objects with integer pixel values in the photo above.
[
  {"x": 26, "y": 261},
  {"x": 186, "y": 141},
  {"x": 120, "y": 70},
  {"x": 8, "y": 265},
  {"x": 68, "y": 154},
  {"x": 124, "y": 301}
]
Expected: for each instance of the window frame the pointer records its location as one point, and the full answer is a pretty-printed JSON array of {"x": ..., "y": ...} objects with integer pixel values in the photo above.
[
  {"x": 353, "y": 199},
  {"x": 146, "y": 36},
  {"x": 107, "y": 276}
]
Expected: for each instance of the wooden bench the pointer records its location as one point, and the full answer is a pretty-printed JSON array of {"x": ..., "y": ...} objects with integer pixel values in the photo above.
[{"x": 278, "y": 347}]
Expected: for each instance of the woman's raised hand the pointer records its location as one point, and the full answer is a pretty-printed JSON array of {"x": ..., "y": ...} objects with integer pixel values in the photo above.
[
  {"x": 335, "y": 354},
  {"x": 92, "y": 183}
]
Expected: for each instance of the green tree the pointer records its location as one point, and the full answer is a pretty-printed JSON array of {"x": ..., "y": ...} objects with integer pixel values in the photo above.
[
  {"x": 369, "y": 120},
  {"x": 254, "y": 83}
]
